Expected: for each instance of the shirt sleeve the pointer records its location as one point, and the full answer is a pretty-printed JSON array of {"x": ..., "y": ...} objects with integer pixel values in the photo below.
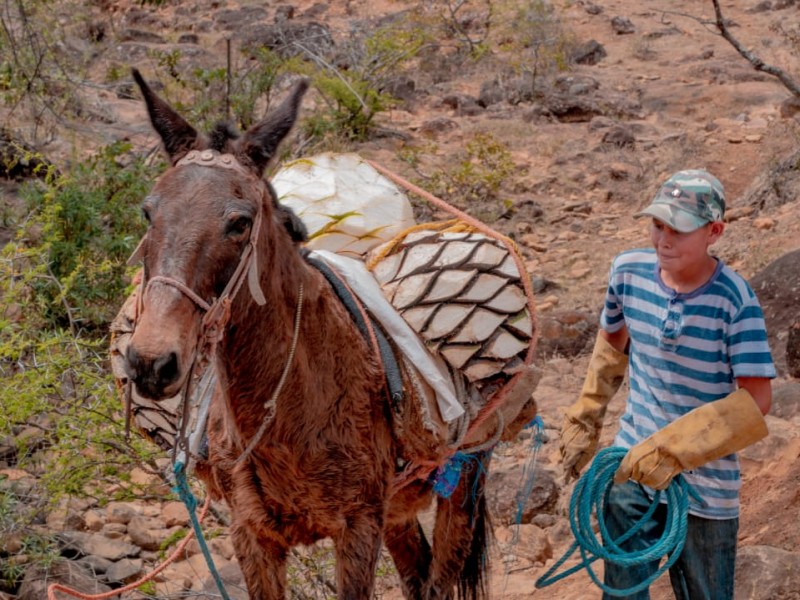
[
  {"x": 612, "y": 318},
  {"x": 748, "y": 347}
]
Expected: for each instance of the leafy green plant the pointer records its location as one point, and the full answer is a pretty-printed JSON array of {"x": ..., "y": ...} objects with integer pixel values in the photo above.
[
  {"x": 209, "y": 95},
  {"x": 172, "y": 540},
  {"x": 34, "y": 547},
  {"x": 82, "y": 228},
  {"x": 352, "y": 107},
  {"x": 61, "y": 280},
  {"x": 475, "y": 180},
  {"x": 535, "y": 36},
  {"x": 148, "y": 588},
  {"x": 356, "y": 95}
]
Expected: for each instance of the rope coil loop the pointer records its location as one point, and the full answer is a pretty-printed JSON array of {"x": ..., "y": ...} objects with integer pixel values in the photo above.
[{"x": 591, "y": 496}]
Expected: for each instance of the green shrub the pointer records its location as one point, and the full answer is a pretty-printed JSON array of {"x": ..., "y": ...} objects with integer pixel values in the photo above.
[
  {"x": 475, "y": 180},
  {"x": 536, "y": 41},
  {"x": 61, "y": 281},
  {"x": 352, "y": 107},
  {"x": 82, "y": 228},
  {"x": 353, "y": 97},
  {"x": 206, "y": 96}
]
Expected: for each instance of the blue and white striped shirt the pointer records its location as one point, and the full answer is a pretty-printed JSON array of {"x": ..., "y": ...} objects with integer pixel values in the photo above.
[{"x": 685, "y": 350}]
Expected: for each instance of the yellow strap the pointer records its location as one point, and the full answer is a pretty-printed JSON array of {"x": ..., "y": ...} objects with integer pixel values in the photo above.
[{"x": 449, "y": 226}]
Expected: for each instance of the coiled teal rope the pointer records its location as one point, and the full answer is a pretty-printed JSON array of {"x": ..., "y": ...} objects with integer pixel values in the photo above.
[
  {"x": 185, "y": 494},
  {"x": 591, "y": 493}
]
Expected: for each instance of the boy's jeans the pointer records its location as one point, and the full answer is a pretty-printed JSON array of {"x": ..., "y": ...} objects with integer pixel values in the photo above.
[{"x": 705, "y": 568}]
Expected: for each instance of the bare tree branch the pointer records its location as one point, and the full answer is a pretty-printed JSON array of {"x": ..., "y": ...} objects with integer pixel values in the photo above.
[{"x": 758, "y": 64}]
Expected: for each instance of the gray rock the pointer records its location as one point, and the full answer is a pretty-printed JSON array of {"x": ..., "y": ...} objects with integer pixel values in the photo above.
[
  {"x": 189, "y": 38},
  {"x": 121, "y": 512},
  {"x": 491, "y": 93},
  {"x": 147, "y": 533},
  {"x": 438, "y": 125},
  {"x": 284, "y": 12},
  {"x": 778, "y": 289},
  {"x": 138, "y": 35},
  {"x": 592, "y": 8},
  {"x": 234, "y": 19},
  {"x": 793, "y": 351},
  {"x": 289, "y": 38},
  {"x": 96, "y": 564},
  {"x": 619, "y": 135},
  {"x": 125, "y": 570},
  {"x": 68, "y": 573},
  {"x": 505, "y": 492},
  {"x": 234, "y": 584},
  {"x": 766, "y": 573},
  {"x": 99, "y": 545},
  {"x": 544, "y": 521},
  {"x": 401, "y": 87},
  {"x": 622, "y": 25},
  {"x": 786, "y": 400},
  {"x": 590, "y": 53},
  {"x": 532, "y": 544}
]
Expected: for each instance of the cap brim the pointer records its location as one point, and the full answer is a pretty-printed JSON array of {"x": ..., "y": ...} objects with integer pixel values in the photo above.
[{"x": 677, "y": 219}]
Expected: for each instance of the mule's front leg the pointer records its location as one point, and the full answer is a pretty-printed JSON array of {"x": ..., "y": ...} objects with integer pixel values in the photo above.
[
  {"x": 358, "y": 546},
  {"x": 262, "y": 561}
]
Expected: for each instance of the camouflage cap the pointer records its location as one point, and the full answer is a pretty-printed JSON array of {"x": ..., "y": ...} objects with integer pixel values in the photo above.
[{"x": 688, "y": 200}]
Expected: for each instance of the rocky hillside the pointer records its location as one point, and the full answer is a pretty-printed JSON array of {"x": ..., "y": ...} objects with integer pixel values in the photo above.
[{"x": 592, "y": 110}]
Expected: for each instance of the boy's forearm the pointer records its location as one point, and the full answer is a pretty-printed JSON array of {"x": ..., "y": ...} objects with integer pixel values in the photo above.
[
  {"x": 618, "y": 339},
  {"x": 760, "y": 389}
]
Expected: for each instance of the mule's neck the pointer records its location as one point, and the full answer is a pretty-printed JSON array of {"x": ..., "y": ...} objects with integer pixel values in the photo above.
[{"x": 265, "y": 331}]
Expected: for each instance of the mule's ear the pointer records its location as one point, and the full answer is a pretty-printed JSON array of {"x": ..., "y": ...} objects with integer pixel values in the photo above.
[
  {"x": 178, "y": 136},
  {"x": 261, "y": 141}
]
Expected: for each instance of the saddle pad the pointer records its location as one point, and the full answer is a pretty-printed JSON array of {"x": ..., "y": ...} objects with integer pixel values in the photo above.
[{"x": 461, "y": 291}]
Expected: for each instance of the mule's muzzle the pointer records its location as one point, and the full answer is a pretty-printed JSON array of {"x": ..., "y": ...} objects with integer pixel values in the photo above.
[{"x": 155, "y": 377}]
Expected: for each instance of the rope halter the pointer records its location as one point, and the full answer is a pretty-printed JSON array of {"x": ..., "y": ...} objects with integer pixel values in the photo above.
[{"x": 218, "y": 311}]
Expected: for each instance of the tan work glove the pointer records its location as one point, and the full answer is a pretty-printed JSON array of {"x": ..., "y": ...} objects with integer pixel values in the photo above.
[
  {"x": 706, "y": 433},
  {"x": 583, "y": 421}
]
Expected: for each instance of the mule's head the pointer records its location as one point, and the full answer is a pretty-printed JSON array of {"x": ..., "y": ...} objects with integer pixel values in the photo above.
[{"x": 202, "y": 214}]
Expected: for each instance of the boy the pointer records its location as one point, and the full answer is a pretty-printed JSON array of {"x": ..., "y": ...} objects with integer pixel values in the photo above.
[{"x": 691, "y": 334}]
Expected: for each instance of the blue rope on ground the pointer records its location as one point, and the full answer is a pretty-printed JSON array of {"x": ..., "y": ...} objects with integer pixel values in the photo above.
[
  {"x": 185, "y": 494},
  {"x": 591, "y": 492},
  {"x": 529, "y": 470}
]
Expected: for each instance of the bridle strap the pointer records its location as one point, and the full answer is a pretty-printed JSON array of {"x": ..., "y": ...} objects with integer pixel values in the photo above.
[
  {"x": 248, "y": 263},
  {"x": 179, "y": 285},
  {"x": 217, "y": 312}
]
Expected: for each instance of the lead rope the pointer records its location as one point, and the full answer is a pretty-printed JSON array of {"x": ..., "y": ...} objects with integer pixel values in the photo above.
[{"x": 186, "y": 495}]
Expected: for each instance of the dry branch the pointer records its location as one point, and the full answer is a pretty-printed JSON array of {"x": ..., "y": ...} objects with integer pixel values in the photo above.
[{"x": 758, "y": 64}]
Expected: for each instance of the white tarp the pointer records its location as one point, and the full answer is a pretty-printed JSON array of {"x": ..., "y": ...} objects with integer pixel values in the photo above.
[
  {"x": 347, "y": 206},
  {"x": 369, "y": 292}
]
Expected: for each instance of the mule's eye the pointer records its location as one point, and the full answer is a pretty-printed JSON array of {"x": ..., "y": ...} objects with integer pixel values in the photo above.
[
  {"x": 146, "y": 214},
  {"x": 237, "y": 224}
]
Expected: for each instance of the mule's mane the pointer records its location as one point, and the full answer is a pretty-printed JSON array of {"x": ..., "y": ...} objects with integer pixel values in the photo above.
[{"x": 222, "y": 133}]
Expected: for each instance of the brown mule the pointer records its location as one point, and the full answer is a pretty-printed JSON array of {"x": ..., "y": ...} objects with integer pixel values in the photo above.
[{"x": 319, "y": 460}]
